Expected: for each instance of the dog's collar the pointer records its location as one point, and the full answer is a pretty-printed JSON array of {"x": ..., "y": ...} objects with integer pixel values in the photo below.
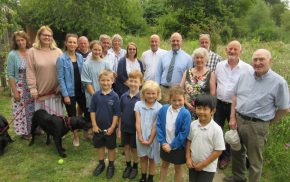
[{"x": 67, "y": 122}]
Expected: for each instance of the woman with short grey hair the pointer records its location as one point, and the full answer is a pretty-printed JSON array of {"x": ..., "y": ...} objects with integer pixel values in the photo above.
[{"x": 198, "y": 80}]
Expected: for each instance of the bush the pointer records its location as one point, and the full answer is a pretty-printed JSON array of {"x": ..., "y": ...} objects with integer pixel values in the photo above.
[{"x": 276, "y": 154}]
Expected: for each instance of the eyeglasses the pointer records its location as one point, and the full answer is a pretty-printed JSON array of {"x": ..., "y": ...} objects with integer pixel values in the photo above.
[
  {"x": 132, "y": 49},
  {"x": 46, "y": 35}
]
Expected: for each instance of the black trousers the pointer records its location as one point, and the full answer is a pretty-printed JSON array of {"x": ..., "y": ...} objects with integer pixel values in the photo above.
[
  {"x": 71, "y": 109},
  {"x": 223, "y": 113},
  {"x": 200, "y": 176}
]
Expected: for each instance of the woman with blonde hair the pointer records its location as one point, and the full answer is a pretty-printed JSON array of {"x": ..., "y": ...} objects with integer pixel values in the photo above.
[
  {"x": 41, "y": 72},
  {"x": 16, "y": 70}
]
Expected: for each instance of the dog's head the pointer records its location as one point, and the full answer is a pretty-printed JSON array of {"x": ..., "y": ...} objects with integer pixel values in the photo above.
[
  {"x": 3, "y": 124},
  {"x": 78, "y": 122}
]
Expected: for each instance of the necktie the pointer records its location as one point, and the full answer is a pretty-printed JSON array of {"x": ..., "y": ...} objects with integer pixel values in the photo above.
[{"x": 171, "y": 67}]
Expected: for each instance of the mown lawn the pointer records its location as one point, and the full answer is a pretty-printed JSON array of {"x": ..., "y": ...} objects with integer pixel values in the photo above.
[{"x": 39, "y": 162}]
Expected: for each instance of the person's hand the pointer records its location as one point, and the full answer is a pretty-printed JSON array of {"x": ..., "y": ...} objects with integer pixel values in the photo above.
[
  {"x": 166, "y": 147},
  {"x": 16, "y": 96},
  {"x": 199, "y": 166},
  {"x": 110, "y": 131},
  {"x": 66, "y": 100},
  {"x": 34, "y": 95},
  {"x": 233, "y": 123},
  {"x": 189, "y": 163},
  {"x": 96, "y": 129},
  {"x": 190, "y": 107},
  {"x": 144, "y": 142}
]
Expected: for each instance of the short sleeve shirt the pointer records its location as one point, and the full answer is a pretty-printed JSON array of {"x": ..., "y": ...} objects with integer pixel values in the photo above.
[
  {"x": 105, "y": 107},
  {"x": 205, "y": 140}
]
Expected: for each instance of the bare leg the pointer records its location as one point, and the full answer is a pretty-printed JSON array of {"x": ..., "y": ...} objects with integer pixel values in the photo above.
[
  {"x": 163, "y": 170},
  {"x": 178, "y": 173}
]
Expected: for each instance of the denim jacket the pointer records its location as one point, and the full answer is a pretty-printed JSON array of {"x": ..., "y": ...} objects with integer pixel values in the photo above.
[
  {"x": 13, "y": 65},
  {"x": 65, "y": 73}
]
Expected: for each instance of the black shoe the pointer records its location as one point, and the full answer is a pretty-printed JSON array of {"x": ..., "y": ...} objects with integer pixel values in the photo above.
[
  {"x": 110, "y": 172},
  {"x": 149, "y": 180},
  {"x": 99, "y": 169},
  {"x": 142, "y": 180},
  {"x": 127, "y": 172},
  {"x": 133, "y": 173}
]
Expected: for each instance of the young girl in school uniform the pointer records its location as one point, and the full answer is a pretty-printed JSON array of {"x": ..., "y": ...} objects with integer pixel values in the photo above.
[
  {"x": 146, "y": 112},
  {"x": 173, "y": 126}
]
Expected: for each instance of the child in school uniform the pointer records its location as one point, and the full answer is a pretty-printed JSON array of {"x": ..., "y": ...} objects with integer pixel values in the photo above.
[
  {"x": 128, "y": 123},
  {"x": 205, "y": 141},
  {"x": 92, "y": 69},
  {"x": 104, "y": 111},
  {"x": 146, "y": 112},
  {"x": 172, "y": 129}
]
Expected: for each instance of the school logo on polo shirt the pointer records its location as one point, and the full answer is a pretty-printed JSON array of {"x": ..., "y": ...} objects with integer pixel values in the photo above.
[{"x": 110, "y": 102}]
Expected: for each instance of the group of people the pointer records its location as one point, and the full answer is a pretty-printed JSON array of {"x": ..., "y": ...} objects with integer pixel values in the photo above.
[{"x": 179, "y": 113}]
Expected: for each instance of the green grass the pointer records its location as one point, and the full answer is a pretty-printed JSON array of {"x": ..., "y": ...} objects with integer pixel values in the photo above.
[{"x": 39, "y": 162}]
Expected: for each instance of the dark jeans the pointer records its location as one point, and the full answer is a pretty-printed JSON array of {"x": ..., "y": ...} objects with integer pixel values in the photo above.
[
  {"x": 72, "y": 110},
  {"x": 200, "y": 176},
  {"x": 223, "y": 112}
]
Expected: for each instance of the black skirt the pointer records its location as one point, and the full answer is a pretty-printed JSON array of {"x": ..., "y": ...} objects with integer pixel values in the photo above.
[{"x": 174, "y": 156}]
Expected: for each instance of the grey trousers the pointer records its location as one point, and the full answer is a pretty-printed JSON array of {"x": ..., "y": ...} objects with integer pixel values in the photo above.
[{"x": 253, "y": 136}]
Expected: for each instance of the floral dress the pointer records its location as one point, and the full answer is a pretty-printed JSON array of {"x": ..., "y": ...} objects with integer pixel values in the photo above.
[
  {"x": 22, "y": 122},
  {"x": 196, "y": 85}
]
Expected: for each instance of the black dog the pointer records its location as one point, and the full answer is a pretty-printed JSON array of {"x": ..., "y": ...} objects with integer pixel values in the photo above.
[
  {"x": 4, "y": 136},
  {"x": 55, "y": 126}
]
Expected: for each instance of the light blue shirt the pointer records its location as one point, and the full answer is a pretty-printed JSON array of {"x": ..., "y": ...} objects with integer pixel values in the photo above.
[
  {"x": 90, "y": 74},
  {"x": 260, "y": 97},
  {"x": 147, "y": 117},
  {"x": 183, "y": 62}
]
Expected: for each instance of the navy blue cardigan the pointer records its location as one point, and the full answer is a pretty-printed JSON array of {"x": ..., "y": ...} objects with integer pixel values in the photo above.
[
  {"x": 122, "y": 76},
  {"x": 182, "y": 127}
]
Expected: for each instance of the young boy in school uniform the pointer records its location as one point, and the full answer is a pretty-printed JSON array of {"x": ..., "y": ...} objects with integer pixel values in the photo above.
[
  {"x": 128, "y": 123},
  {"x": 104, "y": 111}
]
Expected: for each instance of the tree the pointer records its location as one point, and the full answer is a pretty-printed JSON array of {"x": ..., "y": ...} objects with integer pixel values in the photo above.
[
  {"x": 8, "y": 17},
  {"x": 90, "y": 17}
]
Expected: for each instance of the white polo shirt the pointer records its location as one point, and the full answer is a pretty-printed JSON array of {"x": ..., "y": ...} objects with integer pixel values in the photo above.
[
  {"x": 205, "y": 140},
  {"x": 227, "y": 78},
  {"x": 171, "y": 116},
  {"x": 150, "y": 61}
]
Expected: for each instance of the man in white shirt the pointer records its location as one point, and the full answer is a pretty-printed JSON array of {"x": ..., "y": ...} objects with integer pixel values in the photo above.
[
  {"x": 227, "y": 75},
  {"x": 150, "y": 58}
]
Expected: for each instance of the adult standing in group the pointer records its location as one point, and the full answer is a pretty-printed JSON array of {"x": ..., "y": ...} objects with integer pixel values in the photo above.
[
  {"x": 199, "y": 80},
  {"x": 261, "y": 97},
  {"x": 16, "y": 70},
  {"x": 228, "y": 73},
  {"x": 151, "y": 57},
  {"x": 69, "y": 67},
  {"x": 117, "y": 51},
  {"x": 171, "y": 66},
  {"x": 41, "y": 72},
  {"x": 126, "y": 65},
  {"x": 107, "y": 55},
  {"x": 214, "y": 58},
  {"x": 83, "y": 47}
]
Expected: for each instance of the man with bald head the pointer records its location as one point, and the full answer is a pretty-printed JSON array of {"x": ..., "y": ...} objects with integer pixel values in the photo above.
[
  {"x": 228, "y": 73},
  {"x": 214, "y": 58},
  {"x": 83, "y": 46},
  {"x": 172, "y": 66},
  {"x": 151, "y": 57},
  {"x": 261, "y": 97}
]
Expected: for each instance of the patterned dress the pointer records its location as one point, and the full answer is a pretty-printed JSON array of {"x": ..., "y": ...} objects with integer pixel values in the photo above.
[
  {"x": 196, "y": 85},
  {"x": 22, "y": 122}
]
